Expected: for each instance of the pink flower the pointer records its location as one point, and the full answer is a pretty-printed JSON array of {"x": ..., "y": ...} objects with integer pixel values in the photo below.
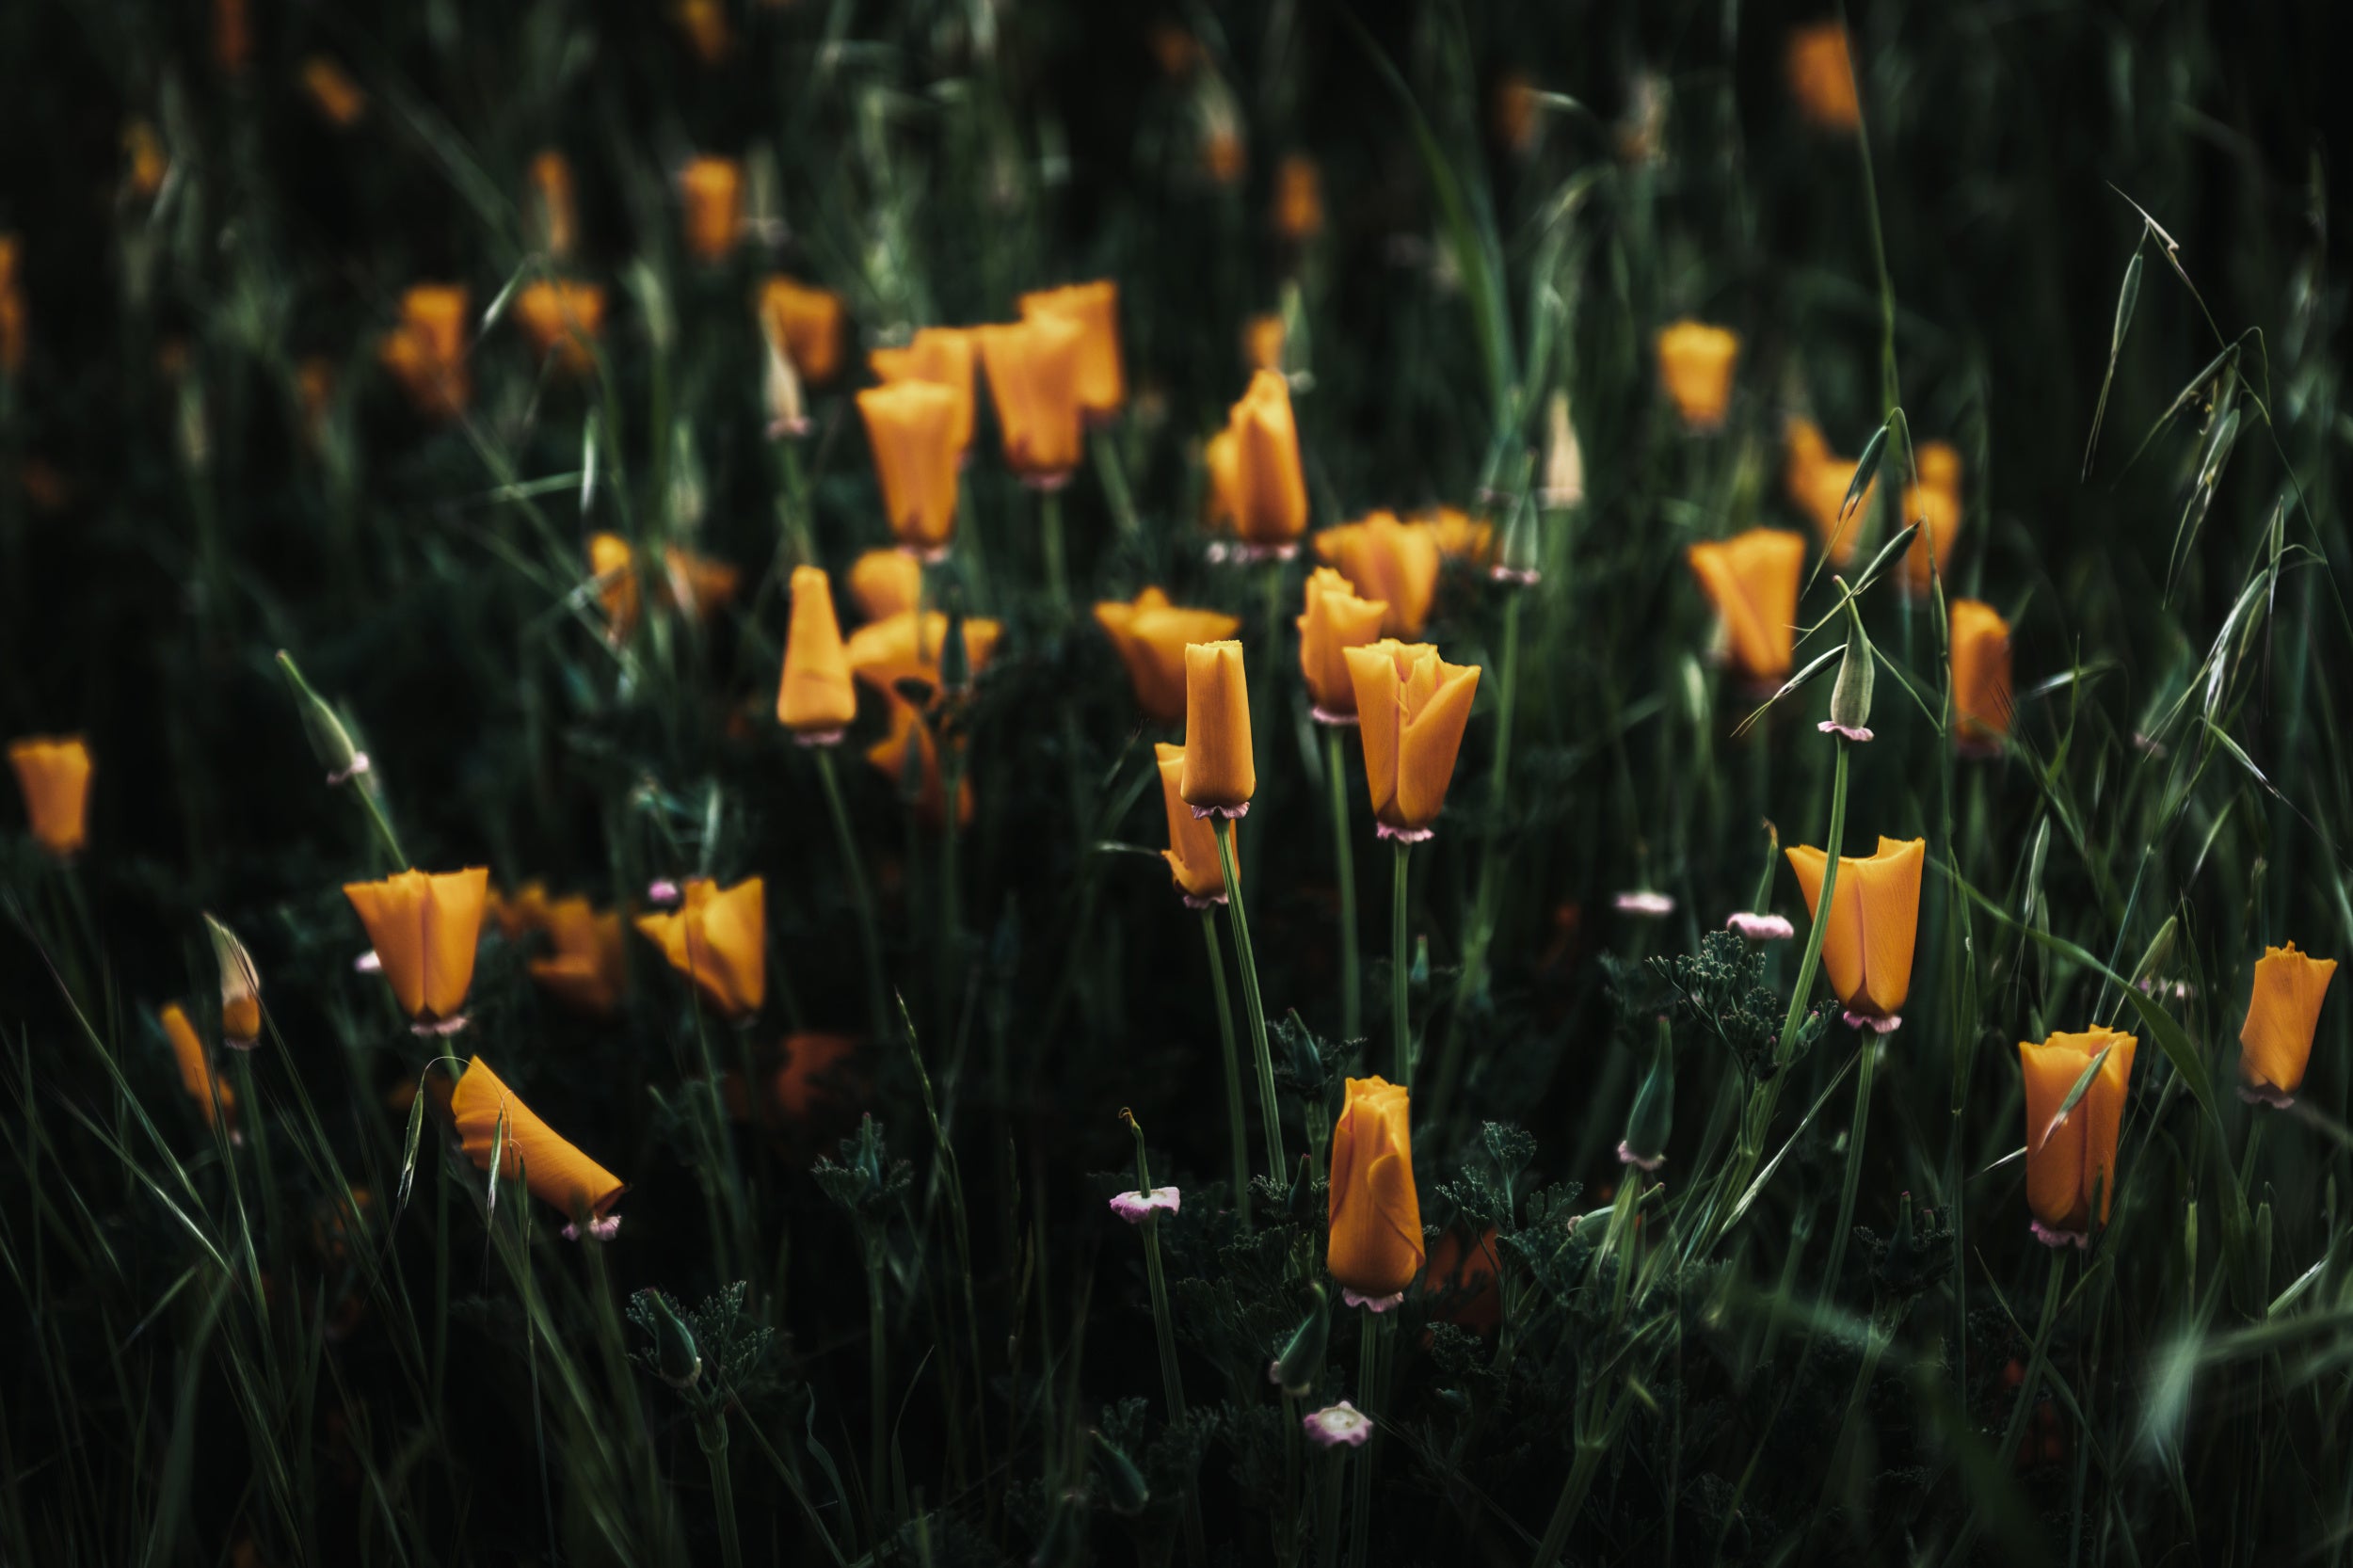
[
  {"x": 1761, "y": 928},
  {"x": 1646, "y": 904},
  {"x": 1336, "y": 1424},
  {"x": 1135, "y": 1207}
]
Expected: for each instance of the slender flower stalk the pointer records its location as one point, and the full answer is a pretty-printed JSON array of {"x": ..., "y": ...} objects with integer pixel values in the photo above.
[
  {"x": 1344, "y": 856},
  {"x": 861, "y": 898},
  {"x": 1370, "y": 1343},
  {"x": 1163, "y": 1327},
  {"x": 1398, "y": 1018},
  {"x": 1233, "y": 1065},
  {"x": 1056, "y": 569},
  {"x": 1269, "y": 1110}
]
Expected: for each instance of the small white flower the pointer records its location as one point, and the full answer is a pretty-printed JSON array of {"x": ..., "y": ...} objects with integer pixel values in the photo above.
[{"x": 1336, "y": 1424}]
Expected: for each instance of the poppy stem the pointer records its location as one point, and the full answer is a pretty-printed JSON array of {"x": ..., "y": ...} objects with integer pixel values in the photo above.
[
  {"x": 1115, "y": 478},
  {"x": 1233, "y": 1067},
  {"x": 1270, "y": 1109},
  {"x": 1351, "y": 981},
  {"x": 711, "y": 1430},
  {"x": 877, "y": 1400},
  {"x": 1368, "y": 1346},
  {"x": 1196, "y": 1548},
  {"x": 861, "y": 898},
  {"x": 1398, "y": 968},
  {"x": 1854, "y": 1162},
  {"x": 1056, "y": 571}
]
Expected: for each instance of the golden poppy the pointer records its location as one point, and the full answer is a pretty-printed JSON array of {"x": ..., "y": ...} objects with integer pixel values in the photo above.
[
  {"x": 54, "y": 774},
  {"x": 886, "y": 583},
  {"x": 1220, "y": 775},
  {"x": 1334, "y": 620},
  {"x": 1297, "y": 198},
  {"x": 1034, "y": 369},
  {"x": 1192, "y": 854},
  {"x": 1411, "y": 708},
  {"x": 2068, "y": 1164},
  {"x": 1934, "y": 502},
  {"x": 613, "y": 564},
  {"x": 1817, "y": 481},
  {"x": 423, "y": 927},
  {"x": 557, "y": 1172},
  {"x": 906, "y": 647},
  {"x": 2275, "y": 1040},
  {"x": 1751, "y": 578},
  {"x": 912, "y": 428},
  {"x": 1695, "y": 365},
  {"x": 808, "y": 323},
  {"x": 1102, "y": 384},
  {"x": 1511, "y": 114},
  {"x": 1151, "y": 636},
  {"x": 1395, "y": 563},
  {"x": 515, "y": 916},
  {"x": 802, "y": 1087},
  {"x": 713, "y": 190},
  {"x": 1255, "y": 479},
  {"x": 1981, "y": 654},
  {"x": 562, "y": 318},
  {"x": 143, "y": 151},
  {"x": 717, "y": 937},
  {"x": 337, "y": 99},
  {"x": 815, "y": 698},
  {"x": 1866, "y": 952},
  {"x": 1374, "y": 1248},
  {"x": 943, "y": 356},
  {"x": 555, "y": 219},
  {"x": 1460, "y": 537},
  {"x": 1821, "y": 76},
  {"x": 704, "y": 25},
  {"x": 212, "y": 1095},
  {"x": 425, "y": 350},
  {"x": 1262, "y": 342},
  {"x": 588, "y": 971},
  {"x": 698, "y": 585},
  {"x": 889, "y": 758},
  {"x": 11, "y": 305}
]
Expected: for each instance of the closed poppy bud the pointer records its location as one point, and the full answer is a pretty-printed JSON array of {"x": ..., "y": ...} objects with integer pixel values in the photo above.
[
  {"x": 907, "y": 648},
  {"x": 423, "y": 928},
  {"x": 943, "y": 356},
  {"x": 717, "y": 937},
  {"x": 1866, "y": 952},
  {"x": 1301, "y": 1362},
  {"x": 1564, "y": 459},
  {"x": 1934, "y": 503},
  {"x": 214, "y": 1097},
  {"x": 1192, "y": 854},
  {"x": 588, "y": 971},
  {"x": 337, "y": 99},
  {"x": 1151, "y": 636},
  {"x": 1695, "y": 364},
  {"x": 562, "y": 318},
  {"x": 1751, "y": 578},
  {"x": 2275, "y": 1040},
  {"x": 1125, "y": 1490},
  {"x": 1255, "y": 473},
  {"x": 1262, "y": 342},
  {"x": 1297, "y": 198},
  {"x": 1851, "y": 695},
  {"x": 1653, "y": 1117},
  {"x": 807, "y": 322},
  {"x": 712, "y": 191},
  {"x": 1102, "y": 383},
  {"x": 1981, "y": 655},
  {"x": 886, "y": 583},
  {"x": 425, "y": 350},
  {"x": 2071, "y": 1163},
  {"x": 492, "y": 1122},
  {"x": 815, "y": 700},
  {"x": 53, "y": 775},
  {"x": 1410, "y": 710},
  {"x": 1394, "y": 562},
  {"x": 1821, "y": 76},
  {"x": 1033, "y": 379},
  {"x": 1374, "y": 1248},
  {"x": 11, "y": 306},
  {"x": 555, "y": 216},
  {"x": 908, "y": 754},
  {"x": 1334, "y": 621},
  {"x": 1220, "y": 775},
  {"x": 240, "y": 987},
  {"x": 912, "y": 428}
]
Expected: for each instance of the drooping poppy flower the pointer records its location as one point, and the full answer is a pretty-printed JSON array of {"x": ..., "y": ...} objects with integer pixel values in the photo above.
[
  {"x": 1934, "y": 503},
  {"x": 1256, "y": 480},
  {"x": 424, "y": 927},
  {"x": 562, "y": 318},
  {"x": 214, "y": 1095},
  {"x": 54, "y": 774},
  {"x": 1866, "y": 952},
  {"x": 1033, "y": 370},
  {"x": 2071, "y": 1164},
  {"x": 1334, "y": 620},
  {"x": 712, "y": 191},
  {"x": 1101, "y": 380},
  {"x": 337, "y": 99},
  {"x": 1411, "y": 708},
  {"x": 1821, "y": 76},
  {"x": 1751, "y": 578},
  {"x": 886, "y": 583},
  {"x": 1395, "y": 563},
  {"x": 425, "y": 350},
  {"x": 1220, "y": 773},
  {"x": 2276, "y": 1041},
  {"x": 815, "y": 698},
  {"x": 492, "y": 1123},
  {"x": 943, "y": 356},
  {"x": 1374, "y": 1247},
  {"x": 1297, "y": 198},
  {"x": 1695, "y": 365},
  {"x": 718, "y": 939},
  {"x": 588, "y": 971},
  {"x": 555, "y": 217},
  {"x": 1981, "y": 655},
  {"x": 1151, "y": 636},
  {"x": 807, "y": 322},
  {"x": 912, "y": 428},
  {"x": 1192, "y": 853}
]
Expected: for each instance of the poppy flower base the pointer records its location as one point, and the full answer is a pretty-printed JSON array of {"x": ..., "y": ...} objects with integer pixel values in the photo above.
[
  {"x": 1646, "y": 1164},
  {"x": 1405, "y": 834},
  {"x": 438, "y": 1029},
  {"x": 1136, "y": 1208},
  {"x": 1251, "y": 555},
  {"x": 2265, "y": 1094},
  {"x": 1212, "y": 902},
  {"x": 2051, "y": 1237},
  {"x": 819, "y": 738},
  {"x": 1874, "y": 1023},
  {"x": 1852, "y": 731},
  {"x": 1338, "y": 1424},
  {"x": 788, "y": 429},
  {"x": 235, "y": 1044},
  {"x": 1325, "y": 716},
  {"x": 603, "y": 1230},
  {"x": 1046, "y": 484},
  {"x": 1526, "y": 579},
  {"x": 1229, "y": 813},
  {"x": 1372, "y": 1303},
  {"x": 1648, "y": 904}
]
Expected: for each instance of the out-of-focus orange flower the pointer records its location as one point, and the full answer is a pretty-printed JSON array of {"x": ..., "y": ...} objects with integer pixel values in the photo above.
[
  {"x": 1981, "y": 654},
  {"x": 524, "y": 912},
  {"x": 1220, "y": 773},
  {"x": 713, "y": 190},
  {"x": 906, "y": 647},
  {"x": 704, "y": 25},
  {"x": 886, "y": 583},
  {"x": 1224, "y": 150},
  {"x": 815, "y": 700},
  {"x": 425, "y": 350},
  {"x": 1394, "y": 562},
  {"x": 807, "y": 322},
  {"x": 2276, "y": 1041},
  {"x": 1695, "y": 365},
  {"x": 1256, "y": 483},
  {"x": 337, "y": 99},
  {"x": 1934, "y": 503},
  {"x": 424, "y": 927},
  {"x": 555, "y": 217},
  {"x": 53, "y": 773},
  {"x": 1262, "y": 342},
  {"x": 232, "y": 36},
  {"x": 562, "y": 318},
  {"x": 11, "y": 304},
  {"x": 214, "y": 1097},
  {"x": 1461, "y": 537},
  {"x": 145, "y": 161},
  {"x": 1816, "y": 480},
  {"x": 1102, "y": 383},
  {"x": 315, "y": 393},
  {"x": 613, "y": 564},
  {"x": 698, "y": 585},
  {"x": 588, "y": 971},
  {"x": 1821, "y": 76},
  {"x": 1511, "y": 114},
  {"x": 2069, "y": 1163},
  {"x": 1151, "y": 636},
  {"x": 1465, "y": 1272},
  {"x": 1411, "y": 708},
  {"x": 1297, "y": 198},
  {"x": 803, "y": 1086},
  {"x": 718, "y": 939},
  {"x": 1866, "y": 952},
  {"x": 492, "y": 1123},
  {"x": 889, "y": 758},
  {"x": 1751, "y": 578},
  {"x": 912, "y": 426},
  {"x": 1032, "y": 369},
  {"x": 1192, "y": 854},
  {"x": 943, "y": 356},
  {"x": 1179, "y": 53},
  {"x": 1374, "y": 1248},
  {"x": 1334, "y": 620}
]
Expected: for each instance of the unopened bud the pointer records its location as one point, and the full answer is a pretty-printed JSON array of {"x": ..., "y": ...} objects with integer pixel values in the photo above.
[
  {"x": 1564, "y": 459},
  {"x": 1301, "y": 1362},
  {"x": 1123, "y": 1487},
  {"x": 1850, "y": 696},
  {"x": 330, "y": 743},
  {"x": 676, "y": 1356},
  {"x": 240, "y": 987},
  {"x": 1654, "y": 1114}
]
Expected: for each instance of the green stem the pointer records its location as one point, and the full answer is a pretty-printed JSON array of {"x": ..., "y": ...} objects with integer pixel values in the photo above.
[
  {"x": 1472, "y": 977},
  {"x": 1056, "y": 571},
  {"x": 1233, "y": 1067},
  {"x": 382, "y": 826},
  {"x": 1196, "y": 1550},
  {"x": 854, "y": 867},
  {"x": 951, "y": 904},
  {"x": 1270, "y": 1109},
  {"x": 1116, "y": 484},
  {"x": 877, "y": 1377},
  {"x": 711, "y": 1429},
  {"x": 1344, "y": 854},
  {"x": 1573, "y": 1491},
  {"x": 1369, "y": 1391},
  {"x": 1854, "y": 1166},
  {"x": 1398, "y": 1019}
]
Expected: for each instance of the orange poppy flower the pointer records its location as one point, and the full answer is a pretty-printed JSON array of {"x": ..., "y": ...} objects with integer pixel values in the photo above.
[
  {"x": 808, "y": 323},
  {"x": 1256, "y": 480},
  {"x": 1220, "y": 773},
  {"x": 889, "y": 758},
  {"x": 912, "y": 428},
  {"x": 424, "y": 927},
  {"x": 1695, "y": 365},
  {"x": 557, "y": 1172},
  {"x": 802, "y": 1086},
  {"x": 1033, "y": 378},
  {"x": 1262, "y": 342},
  {"x": 337, "y": 99},
  {"x": 1102, "y": 384},
  {"x": 588, "y": 971},
  {"x": 562, "y": 318},
  {"x": 1511, "y": 114},
  {"x": 906, "y": 647},
  {"x": 613, "y": 564},
  {"x": 943, "y": 356},
  {"x": 2276, "y": 1041},
  {"x": 1816, "y": 480},
  {"x": 1821, "y": 76},
  {"x": 704, "y": 25},
  {"x": 143, "y": 151},
  {"x": 1751, "y": 578},
  {"x": 1934, "y": 502},
  {"x": 886, "y": 583},
  {"x": 1395, "y": 563},
  {"x": 2069, "y": 1163},
  {"x": 1374, "y": 1246},
  {"x": 555, "y": 217},
  {"x": 718, "y": 939},
  {"x": 213, "y": 1094},
  {"x": 815, "y": 698},
  {"x": 1297, "y": 198},
  {"x": 425, "y": 350},
  {"x": 1866, "y": 952},
  {"x": 1192, "y": 854},
  {"x": 1151, "y": 636},
  {"x": 1410, "y": 710},
  {"x": 712, "y": 191},
  {"x": 54, "y": 774},
  {"x": 1981, "y": 655},
  {"x": 1334, "y": 620}
]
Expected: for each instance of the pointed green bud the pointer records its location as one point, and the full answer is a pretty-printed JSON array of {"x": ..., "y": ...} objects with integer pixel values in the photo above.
[
  {"x": 1653, "y": 1115},
  {"x": 1850, "y": 697},
  {"x": 330, "y": 743},
  {"x": 1123, "y": 1487},
  {"x": 1301, "y": 1362},
  {"x": 675, "y": 1353}
]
